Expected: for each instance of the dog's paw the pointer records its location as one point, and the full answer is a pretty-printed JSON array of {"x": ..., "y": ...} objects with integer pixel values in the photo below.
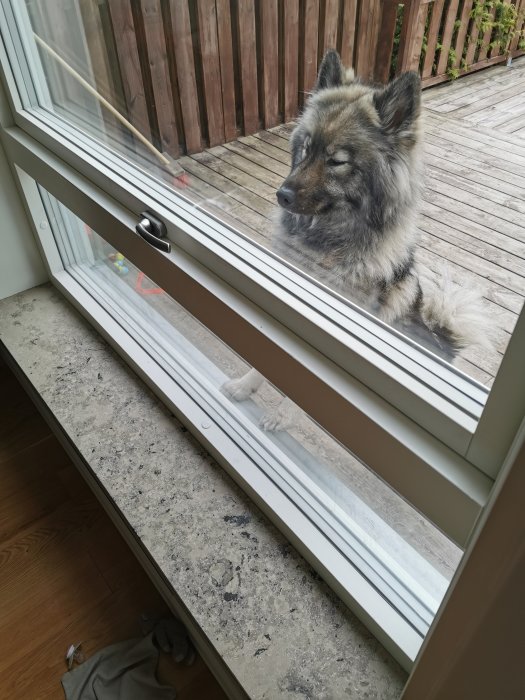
[
  {"x": 238, "y": 389},
  {"x": 279, "y": 418},
  {"x": 274, "y": 421}
]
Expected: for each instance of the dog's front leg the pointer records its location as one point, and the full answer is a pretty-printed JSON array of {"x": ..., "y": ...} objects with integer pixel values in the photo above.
[
  {"x": 240, "y": 389},
  {"x": 400, "y": 298}
]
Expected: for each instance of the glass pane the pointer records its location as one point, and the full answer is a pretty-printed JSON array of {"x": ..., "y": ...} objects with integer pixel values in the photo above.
[
  {"x": 405, "y": 557},
  {"x": 205, "y": 96}
]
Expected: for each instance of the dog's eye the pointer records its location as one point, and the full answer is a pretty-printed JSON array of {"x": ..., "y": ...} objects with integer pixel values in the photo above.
[{"x": 339, "y": 157}]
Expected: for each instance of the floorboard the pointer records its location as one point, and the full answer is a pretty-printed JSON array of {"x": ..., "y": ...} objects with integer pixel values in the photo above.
[{"x": 66, "y": 575}]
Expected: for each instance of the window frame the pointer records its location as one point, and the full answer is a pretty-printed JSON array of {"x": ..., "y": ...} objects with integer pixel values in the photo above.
[
  {"x": 439, "y": 457},
  {"x": 432, "y": 473},
  {"x": 453, "y": 422}
]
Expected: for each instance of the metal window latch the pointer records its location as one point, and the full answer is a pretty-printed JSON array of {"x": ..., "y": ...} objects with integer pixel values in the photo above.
[{"x": 153, "y": 231}]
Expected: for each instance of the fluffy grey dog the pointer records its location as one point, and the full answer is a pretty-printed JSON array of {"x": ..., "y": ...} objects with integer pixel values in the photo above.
[{"x": 349, "y": 205}]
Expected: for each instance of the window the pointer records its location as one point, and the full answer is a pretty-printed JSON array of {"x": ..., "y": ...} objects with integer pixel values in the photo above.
[{"x": 123, "y": 108}]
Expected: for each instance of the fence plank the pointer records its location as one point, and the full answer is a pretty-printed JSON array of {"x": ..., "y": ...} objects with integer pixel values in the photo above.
[
  {"x": 484, "y": 49},
  {"x": 129, "y": 62},
  {"x": 211, "y": 71},
  {"x": 93, "y": 30},
  {"x": 407, "y": 17},
  {"x": 59, "y": 25},
  {"x": 412, "y": 34},
  {"x": 415, "y": 43},
  {"x": 367, "y": 36},
  {"x": 520, "y": 6},
  {"x": 331, "y": 22},
  {"x": 183, "y": 50},
  {"x": 385, "y": 41},
  {"x": 348, "y": 32},
  {"x": 433, "y": 30},
  {"x": 374, "y": 36},
  {"x": 224, "y": 36},
  {"x": 248, "y": 65},
  {"x": 498, "y": 49},
  {"x": 291, "y": 59},
  {"x": 78, "y": 42},
  {"x": 473, "y": 42},
  {"x": 459, "y": 45},
  {"x": 311, "y": 58},
  {"x": 270, "y": 61},
  {"x": 102, "y": 76},
  {"x": 361, "y": 57},
  {"x": 447, "y": 37},
  {"x": 160, "y": 77},
  {"x": 106, "y": 27}
]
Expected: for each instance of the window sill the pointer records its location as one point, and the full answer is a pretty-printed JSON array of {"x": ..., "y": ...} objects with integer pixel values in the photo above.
[{"x": 250, "y": 599}]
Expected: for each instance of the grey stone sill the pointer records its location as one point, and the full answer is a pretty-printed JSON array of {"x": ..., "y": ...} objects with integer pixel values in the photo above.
[{"x": 278, "y": 628}]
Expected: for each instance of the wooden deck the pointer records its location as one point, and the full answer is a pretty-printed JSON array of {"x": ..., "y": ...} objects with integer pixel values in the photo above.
[{"x": 473, "y": 210}]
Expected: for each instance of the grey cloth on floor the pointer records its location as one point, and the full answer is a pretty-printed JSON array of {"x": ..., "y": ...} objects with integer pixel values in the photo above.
[{"x": 123, "y": 671}]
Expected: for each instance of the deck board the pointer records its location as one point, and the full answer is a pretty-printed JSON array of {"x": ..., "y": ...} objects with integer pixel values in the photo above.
[
  {"x": 472, "y": 217},
  {"x": 273, "y": 166},
  {"x": 514, "y": 126},
  {"x": 473, "y": 169},
  {"x": 461, "y": 90},
  {"x": 277, "y": 154}
]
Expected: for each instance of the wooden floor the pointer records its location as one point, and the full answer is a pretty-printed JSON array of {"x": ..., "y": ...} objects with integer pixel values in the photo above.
[
  {"x": 473, "y": 212},
  {"x": 65, "y": 573}
]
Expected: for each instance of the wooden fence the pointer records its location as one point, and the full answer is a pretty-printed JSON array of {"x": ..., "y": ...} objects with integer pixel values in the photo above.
[{"x": 196, "y": 73}]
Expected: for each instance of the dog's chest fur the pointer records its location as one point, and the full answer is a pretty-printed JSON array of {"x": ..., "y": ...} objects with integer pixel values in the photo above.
[{"x": 357, "y": 269}]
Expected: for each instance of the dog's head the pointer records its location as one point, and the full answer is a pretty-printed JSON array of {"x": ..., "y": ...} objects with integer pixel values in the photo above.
[{"x": 351, "y": 144}]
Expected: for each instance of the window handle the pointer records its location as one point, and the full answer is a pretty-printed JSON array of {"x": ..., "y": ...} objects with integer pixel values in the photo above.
[{"x": 153, "y": 231}]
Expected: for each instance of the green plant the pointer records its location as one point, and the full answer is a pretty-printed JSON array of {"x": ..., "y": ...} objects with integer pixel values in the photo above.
[
  {"x": 500, "y": 20},
  {"x": 397, "y": 37},
  {"x": 452, "y": 69}
]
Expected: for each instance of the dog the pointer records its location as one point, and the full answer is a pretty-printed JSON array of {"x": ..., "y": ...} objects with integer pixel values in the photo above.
[{"x": 348, "y": 213}]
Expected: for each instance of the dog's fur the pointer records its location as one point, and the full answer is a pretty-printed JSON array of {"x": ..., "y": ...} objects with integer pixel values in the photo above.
[{"x": 349, "y": 204}]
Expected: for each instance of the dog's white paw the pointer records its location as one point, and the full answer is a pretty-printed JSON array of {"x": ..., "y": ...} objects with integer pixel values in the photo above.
[
  {"x": 279, "y": 418},
  {"x": 238, "y": 389}
]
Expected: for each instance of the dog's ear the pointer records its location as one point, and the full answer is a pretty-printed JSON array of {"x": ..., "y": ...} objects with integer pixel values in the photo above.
[
  {"x": 399, "y": 104},
  {"x": 331, "y": 71}
]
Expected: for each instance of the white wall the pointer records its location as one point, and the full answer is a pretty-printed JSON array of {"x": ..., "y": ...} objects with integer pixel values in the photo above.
[{"x": 21, "y": 266}]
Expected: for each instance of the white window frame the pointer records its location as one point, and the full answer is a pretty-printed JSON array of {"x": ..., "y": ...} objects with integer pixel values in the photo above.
[{"x": 426, "y": 429}]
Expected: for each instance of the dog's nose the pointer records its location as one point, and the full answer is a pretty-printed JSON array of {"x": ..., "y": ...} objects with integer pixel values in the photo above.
[{"x": 286, "y": 197}]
